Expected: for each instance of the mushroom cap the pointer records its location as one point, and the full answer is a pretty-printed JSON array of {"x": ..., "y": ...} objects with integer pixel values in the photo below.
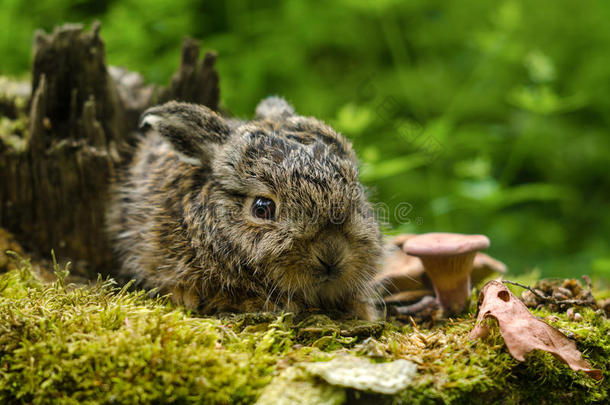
[
  {"x": 484, "y": 266},
  {"x": 400, "y": 240},
  {"x": 444, "y": 244}
]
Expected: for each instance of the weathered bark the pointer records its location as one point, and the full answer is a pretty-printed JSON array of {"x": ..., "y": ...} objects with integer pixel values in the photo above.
[
  {"x": 82, "y": 118},
  {"x": 73, "y": 63},
  {"x": 196, "y": 81}
]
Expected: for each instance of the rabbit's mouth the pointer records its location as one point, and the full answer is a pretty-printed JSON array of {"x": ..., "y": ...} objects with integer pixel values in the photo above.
[
  {"x": 325, "y": 279},
  {"x": 328, "y": 270}
]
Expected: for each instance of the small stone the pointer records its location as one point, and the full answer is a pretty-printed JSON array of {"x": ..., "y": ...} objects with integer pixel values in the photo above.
[{"x": 577, "y": 317}]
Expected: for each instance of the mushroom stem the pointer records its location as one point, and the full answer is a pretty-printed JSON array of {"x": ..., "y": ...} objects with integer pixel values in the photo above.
[
  {"x": 448, "y": 259},
  {"x": 450, "y": 276}
]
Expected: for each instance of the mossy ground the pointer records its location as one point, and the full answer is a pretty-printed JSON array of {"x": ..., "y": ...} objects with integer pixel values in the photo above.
[{"x": 104, "y": 344}]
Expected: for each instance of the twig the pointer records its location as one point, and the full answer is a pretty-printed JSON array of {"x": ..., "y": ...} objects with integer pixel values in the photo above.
[
  {"x": 551, "y": 299},
  {"x": 533, "y": 291}
]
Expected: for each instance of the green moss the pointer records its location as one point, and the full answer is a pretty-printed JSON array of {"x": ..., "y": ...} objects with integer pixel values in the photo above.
[
  {"x": 14, "y": 95},
  {"x": 13, "y": 133},
  {"x": 104, "y": 344}
]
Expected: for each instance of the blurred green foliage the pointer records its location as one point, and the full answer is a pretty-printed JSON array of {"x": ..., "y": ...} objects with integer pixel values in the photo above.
[{"x": 470, "y": 116}]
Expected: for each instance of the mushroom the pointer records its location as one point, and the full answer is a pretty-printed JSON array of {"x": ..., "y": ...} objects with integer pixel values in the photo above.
[
  {"x": 448, "y": 260},
  {"x": 484, "y": 266},
  {"x": 403, "y": 272},
  {"x": 424, "y": 308},
  {"x": 407, "y": 296}
]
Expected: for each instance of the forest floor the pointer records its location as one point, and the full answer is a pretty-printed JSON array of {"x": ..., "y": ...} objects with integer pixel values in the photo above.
[{"x": 102, "y": 343}]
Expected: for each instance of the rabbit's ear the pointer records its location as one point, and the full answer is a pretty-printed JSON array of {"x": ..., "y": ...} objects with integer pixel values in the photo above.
[
  {"x": 274, "y": 108},
  {"x": 191, "y": 129}
]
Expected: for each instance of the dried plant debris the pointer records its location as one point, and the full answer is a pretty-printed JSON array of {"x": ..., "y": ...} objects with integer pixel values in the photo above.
[
  {"x": 558, "y": 294},
  {"x": 361, "y": 374},
  {"x": 523, "y": 332}
]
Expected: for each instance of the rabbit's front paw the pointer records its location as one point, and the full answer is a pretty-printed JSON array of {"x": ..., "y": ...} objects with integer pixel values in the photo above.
[
  {"x": 365, "y": 310},
  {"x": 185, "y": 296}
]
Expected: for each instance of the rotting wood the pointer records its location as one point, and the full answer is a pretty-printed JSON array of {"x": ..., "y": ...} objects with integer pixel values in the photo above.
[{"x": 82, "y": 118}]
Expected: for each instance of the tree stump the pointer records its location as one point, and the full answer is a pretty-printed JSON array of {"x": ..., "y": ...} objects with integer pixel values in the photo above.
[
  {"x": 82, "y": 117},
  {"x": 195, "y": 81}
]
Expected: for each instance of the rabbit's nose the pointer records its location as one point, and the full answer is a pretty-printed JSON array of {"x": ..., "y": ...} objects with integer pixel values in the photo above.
[
  {"x": 330, "y": 251},
  {"x": 330, "y": 266}
]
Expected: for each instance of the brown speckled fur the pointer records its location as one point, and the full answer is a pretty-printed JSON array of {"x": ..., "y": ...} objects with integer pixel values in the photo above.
[{"x": 180, "y": 219}]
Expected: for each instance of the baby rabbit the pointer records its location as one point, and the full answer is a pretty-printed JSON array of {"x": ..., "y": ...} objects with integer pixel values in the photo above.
[{"x": 228, "y": 215}]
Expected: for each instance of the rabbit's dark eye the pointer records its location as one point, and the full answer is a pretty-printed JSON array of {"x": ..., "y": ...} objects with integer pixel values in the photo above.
[{"x": 263, "y": 208}]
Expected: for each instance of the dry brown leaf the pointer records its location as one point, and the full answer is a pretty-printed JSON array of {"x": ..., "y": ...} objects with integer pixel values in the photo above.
[{"x": 523, "y": 332}]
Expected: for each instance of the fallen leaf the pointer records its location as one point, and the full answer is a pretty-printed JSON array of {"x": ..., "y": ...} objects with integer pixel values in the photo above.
[{"x": 523, "y": 332}]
